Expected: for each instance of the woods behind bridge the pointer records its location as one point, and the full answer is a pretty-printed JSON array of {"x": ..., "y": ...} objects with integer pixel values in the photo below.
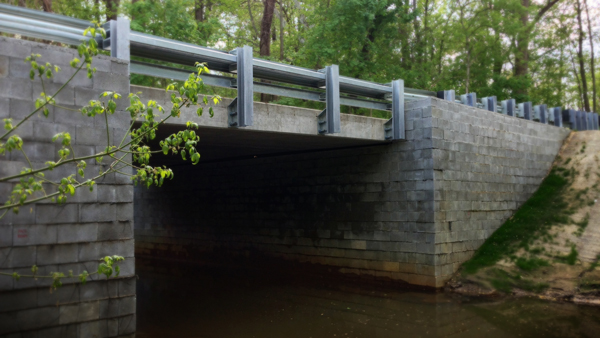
[{"x": 530, "y": 50}]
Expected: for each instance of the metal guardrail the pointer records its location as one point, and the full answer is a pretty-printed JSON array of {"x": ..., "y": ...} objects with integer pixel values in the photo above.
[
  {"x": 37, "y": 24},
  {"x": 307, "y": 84}
]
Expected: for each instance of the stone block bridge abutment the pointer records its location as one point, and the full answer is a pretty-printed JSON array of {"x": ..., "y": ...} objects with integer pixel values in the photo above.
[{"x": 410, "y": 210}]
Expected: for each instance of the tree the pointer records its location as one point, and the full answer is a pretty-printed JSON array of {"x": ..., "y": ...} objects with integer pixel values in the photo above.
[
  {"x": 523, "y": 38},
  {"x": 30, "y": 185},
  {"x": 265, "y": 36},
  {"x": 584, "y": 86},
  {"x": 47, "y": 5},
  {"x": 508, "y": 48},
  {"x": 112, "y": 7},
  {"x": 592, "y": 66},
  {"x": 265, "y": 27}
]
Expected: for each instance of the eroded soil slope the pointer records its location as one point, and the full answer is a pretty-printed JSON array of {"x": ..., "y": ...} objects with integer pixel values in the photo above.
[{"x": 551, "y": 246}]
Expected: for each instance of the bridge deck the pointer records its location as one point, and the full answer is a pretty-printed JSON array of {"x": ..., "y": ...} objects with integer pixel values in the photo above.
[{"x": 277, "y": 129}]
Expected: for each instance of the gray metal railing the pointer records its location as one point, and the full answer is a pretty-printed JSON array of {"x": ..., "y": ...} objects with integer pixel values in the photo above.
[{"x": 289, "y": 81}]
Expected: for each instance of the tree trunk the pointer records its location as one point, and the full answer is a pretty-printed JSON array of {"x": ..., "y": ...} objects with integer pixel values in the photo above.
[
  {"x": 498, "y": 61},
  {"x": 584, "y": 89},
  {"x": 265, "y": 35},
  {"x": 252, "y": 18},
  {"x": 281, "y": 31},
  {"x": 577, "y": 79},
  {"x": 112, "y": 6},
  {"x": 521, "y": 69},
  {"x": 47, "y": 5},
  {"x": 522, "y": 53},
  {"x": 265, "y": 27},
  {"x": 468, "y": 65},
  {"x": 199, "y": 10},
  {"x": 592, "y": 67}
]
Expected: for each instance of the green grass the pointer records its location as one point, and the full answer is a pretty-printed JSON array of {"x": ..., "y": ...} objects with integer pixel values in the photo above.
[
  {"x": 571, "y": 258},
  {"x": 505, "y": 282},
  {"x": 542, "y": 210},
  {"x": 583, "y": 224},
  {"x": 531, "y": 264}
]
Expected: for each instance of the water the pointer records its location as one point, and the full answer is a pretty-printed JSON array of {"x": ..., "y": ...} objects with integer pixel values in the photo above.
[{"x": 182, "y": 300}]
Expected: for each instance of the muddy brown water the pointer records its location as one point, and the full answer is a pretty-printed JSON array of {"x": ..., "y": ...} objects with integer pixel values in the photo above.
[{"x": 185, "y": 300}]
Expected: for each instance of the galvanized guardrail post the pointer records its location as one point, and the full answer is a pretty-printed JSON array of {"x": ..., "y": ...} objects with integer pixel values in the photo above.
[
  {"x": 489, "y": 103},
  {"x": 469, "y": 99},
  {"x": 329, "y": 120},
  {"x": 540, "y": 114},
  {"x": 394, "y": 128},
  {"x": 508, "y": 107},
  {"x": 581, "y": 125},
  {"x": 117, "y": 39},
  {"x": 447, "y": 95},
  {"x": 241, "y": 109},
  {"x": 555, "y": 116},
  {"x": 570, "y": 117},
  {"x": 524, "y": 110}
]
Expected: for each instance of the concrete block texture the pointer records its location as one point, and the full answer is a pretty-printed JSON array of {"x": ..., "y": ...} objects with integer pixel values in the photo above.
[
  {"x": 71, "y": 236},
  {"x": 379, "y": 210}
]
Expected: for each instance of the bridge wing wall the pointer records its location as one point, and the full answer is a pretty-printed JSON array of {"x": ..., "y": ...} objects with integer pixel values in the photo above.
[
  {"x": 70, "y": 236},
  {"x": 485, "y": 166}
]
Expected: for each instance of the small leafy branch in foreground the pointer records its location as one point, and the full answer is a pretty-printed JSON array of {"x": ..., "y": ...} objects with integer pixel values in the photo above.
[
  {"x": 108, "y": 267},
  {"x": 132, "y": 151},
  {"x": 31, "y": 184}
]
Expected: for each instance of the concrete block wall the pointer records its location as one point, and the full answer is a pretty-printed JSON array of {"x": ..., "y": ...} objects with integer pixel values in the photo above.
[
  {"x": 365, "y": 210},
  {"x": 71, "y": 236},
  {"x": 380, "y": 211},
  {"x": 485, "y": 165}
]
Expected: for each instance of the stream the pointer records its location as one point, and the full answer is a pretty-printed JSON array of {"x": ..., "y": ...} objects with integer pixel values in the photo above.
[{"x": 188, "y": 300}]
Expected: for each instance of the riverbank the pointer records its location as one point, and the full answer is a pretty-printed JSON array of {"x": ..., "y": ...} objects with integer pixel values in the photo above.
[{"x": 550, "y": 248}]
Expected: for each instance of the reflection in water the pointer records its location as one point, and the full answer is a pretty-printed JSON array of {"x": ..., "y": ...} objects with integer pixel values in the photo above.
[{"x": 192, "y": 301}]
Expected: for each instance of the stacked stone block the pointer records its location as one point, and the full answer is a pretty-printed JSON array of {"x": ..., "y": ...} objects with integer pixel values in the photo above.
[
  {"x": 411, "y": 210},
  {"x": 365, "y": 210},
  {"x": 486, "y": 165},
  {"x": 75, "y": 235}
]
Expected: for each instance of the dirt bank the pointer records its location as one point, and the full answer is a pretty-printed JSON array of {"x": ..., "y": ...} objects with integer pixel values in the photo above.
[{"x": 550, "y": 248}]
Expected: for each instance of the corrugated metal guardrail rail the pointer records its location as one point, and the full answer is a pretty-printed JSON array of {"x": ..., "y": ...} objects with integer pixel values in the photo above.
[{"x": 338, "y": 90}]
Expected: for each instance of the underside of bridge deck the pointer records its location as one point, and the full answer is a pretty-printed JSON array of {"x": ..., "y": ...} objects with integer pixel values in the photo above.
[{"x": 219, "y": 144}]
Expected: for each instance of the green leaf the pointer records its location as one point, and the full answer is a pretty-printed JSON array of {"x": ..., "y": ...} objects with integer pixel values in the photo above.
[
  {"x": 195, "y": 158},
  {"x": 112, "y": 106}
]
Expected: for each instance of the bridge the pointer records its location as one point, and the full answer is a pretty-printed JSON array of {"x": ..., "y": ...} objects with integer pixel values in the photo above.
[{"x": 407, "y": 198}]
